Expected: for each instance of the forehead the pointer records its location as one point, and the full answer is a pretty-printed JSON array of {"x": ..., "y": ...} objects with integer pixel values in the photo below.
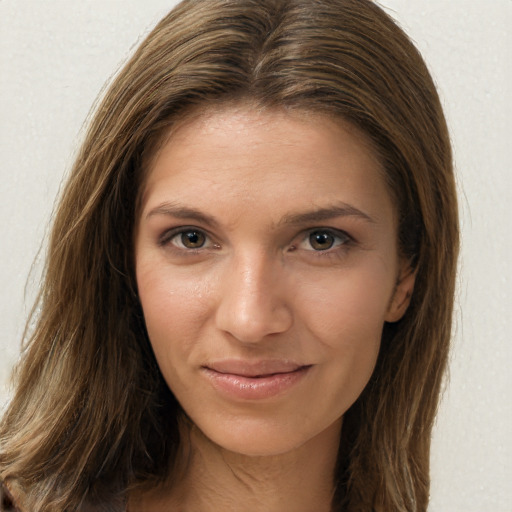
[
  {"x": 244, "y": 118},
  {"x": 264, "y": 157}
]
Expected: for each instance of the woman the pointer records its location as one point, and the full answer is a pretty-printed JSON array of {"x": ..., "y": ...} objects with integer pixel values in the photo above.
[{"x": 249, "y": 288}]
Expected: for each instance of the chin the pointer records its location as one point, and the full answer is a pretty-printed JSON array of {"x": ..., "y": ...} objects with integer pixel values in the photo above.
[{"x": 255, "y": 437}]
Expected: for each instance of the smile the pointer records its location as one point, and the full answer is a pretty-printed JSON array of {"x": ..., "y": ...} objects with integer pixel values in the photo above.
[{"x": 254, "y": 381}]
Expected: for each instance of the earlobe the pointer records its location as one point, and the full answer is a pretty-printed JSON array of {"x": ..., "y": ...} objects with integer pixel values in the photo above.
[{"x": 402, "y": 294}]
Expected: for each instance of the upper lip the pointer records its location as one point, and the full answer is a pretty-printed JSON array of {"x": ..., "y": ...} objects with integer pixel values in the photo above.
[{"x": 254, "y": 368}]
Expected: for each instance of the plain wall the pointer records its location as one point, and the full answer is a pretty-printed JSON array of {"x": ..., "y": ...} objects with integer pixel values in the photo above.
[{"x": 56, "y": 55}]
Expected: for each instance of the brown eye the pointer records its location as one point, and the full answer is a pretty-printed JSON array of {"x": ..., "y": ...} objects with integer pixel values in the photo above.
[
  {"x": 321, "y": 240},
  {"x": 192, "y": 239}
]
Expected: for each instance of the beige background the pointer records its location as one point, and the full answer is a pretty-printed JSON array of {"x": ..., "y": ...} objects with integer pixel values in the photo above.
[{"x": 55, "y": 56}]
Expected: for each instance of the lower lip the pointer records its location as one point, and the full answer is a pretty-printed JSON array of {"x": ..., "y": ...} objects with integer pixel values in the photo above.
[{"x": 255, "y": 388}]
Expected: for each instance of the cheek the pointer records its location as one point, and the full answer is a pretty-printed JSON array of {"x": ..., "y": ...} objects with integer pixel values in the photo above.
[
  {"x": 174, "y": 312},
  {"x": 346, "y": 315},
  {"x": 349, "y": 305}
]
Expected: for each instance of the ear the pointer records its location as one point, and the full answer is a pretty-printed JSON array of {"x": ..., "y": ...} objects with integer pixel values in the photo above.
[{"x": 402, "y": 294}]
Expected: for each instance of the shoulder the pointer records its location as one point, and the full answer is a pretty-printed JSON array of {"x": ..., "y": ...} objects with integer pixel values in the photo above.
[{"x": 8, "y": 502}]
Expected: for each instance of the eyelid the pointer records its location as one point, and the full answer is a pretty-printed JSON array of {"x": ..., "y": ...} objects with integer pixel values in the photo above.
[
  {"x": 167, "y": 236},
  {"x": 337, "y": 233},
  {"x": 165, "y": 239}
]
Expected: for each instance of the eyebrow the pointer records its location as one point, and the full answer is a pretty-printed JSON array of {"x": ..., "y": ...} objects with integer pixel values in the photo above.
[
  {"x": 331, "y": 212},
  {"x": 320, "y": 214},
  {"x": 182, "y": 212}
]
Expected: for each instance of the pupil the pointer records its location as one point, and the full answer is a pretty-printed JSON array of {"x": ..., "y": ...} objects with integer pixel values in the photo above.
[
  {"x": 192, "y": 239},
  {"x": 321, "y": 241}
]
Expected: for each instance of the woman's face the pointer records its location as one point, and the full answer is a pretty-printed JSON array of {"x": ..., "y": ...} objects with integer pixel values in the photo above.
[{"x": 267, "y": 264}]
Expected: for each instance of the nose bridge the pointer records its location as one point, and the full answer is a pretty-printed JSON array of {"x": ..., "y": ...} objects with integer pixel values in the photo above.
[{"x": 254, "y": 299}]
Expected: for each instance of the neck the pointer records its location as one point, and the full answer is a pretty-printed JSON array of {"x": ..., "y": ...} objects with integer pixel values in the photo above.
[{"x": 216, "y": 479}]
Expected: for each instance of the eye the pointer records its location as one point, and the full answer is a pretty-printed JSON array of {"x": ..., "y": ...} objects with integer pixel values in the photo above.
[
  {"x": 321, "y": 240},
  {"x": 186, "y": 238},
  {"x": 324, "y": 239},
  {"x": 191, "y": 239}
]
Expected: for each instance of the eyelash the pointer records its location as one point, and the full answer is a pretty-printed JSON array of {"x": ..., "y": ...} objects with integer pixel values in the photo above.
[
  {"x": 342, "y": 240},
  {"x": 166, "y": 239}
]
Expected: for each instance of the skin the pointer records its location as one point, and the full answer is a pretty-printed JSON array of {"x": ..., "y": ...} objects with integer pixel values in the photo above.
[{"x": 294, "y": 258}]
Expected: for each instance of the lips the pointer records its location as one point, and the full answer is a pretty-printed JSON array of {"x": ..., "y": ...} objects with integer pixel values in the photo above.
[
  {"x": 254, "y": 369},
  {"x": 247, "y": 380}
]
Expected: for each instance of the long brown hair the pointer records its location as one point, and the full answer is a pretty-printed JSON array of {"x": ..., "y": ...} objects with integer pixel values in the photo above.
[{"x": 92, "y": 416}]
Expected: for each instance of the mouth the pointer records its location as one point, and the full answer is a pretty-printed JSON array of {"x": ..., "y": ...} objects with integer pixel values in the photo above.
[
  {"x": 254, "y": 369},
  {"x": 245, "y": 380}
]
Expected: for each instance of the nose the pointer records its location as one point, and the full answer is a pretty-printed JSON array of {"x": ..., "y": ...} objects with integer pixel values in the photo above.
[{"x": 253, "y": 299}]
